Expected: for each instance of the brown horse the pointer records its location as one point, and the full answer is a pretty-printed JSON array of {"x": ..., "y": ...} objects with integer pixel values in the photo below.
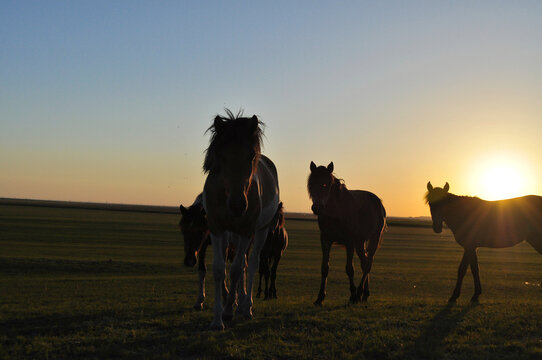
[
  {"x": 276, "y": 243},
  {"x": 193, "y": 225},
  {"x": 478, "y": 223},
  {"x": 353, "y": 218},
  {"x": 241, "y": 197}
]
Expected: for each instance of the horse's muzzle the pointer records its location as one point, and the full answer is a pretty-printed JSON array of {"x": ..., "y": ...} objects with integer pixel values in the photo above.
[
  {"x": 316, "y": 210},
  {"x": 437, "y": 229}
]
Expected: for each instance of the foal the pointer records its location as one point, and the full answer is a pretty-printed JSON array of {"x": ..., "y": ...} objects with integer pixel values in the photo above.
[
  {"x": 275, "y": 244},
  {"x": 480, "y": 223},
  {"x": 353, "y": 218}
]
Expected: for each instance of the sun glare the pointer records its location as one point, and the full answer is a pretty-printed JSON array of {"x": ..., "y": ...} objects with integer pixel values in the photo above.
[{"x": 500, "y": 177}]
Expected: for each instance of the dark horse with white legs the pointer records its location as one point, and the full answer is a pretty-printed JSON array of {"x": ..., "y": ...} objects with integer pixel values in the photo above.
[
  {"x": 241, "y": 197},
  {"x": 276, "y": 243},
  {"x": 193, "y": 225},
  {"x": 479, "y": 223},
  {"x": 353, "y": 218}
]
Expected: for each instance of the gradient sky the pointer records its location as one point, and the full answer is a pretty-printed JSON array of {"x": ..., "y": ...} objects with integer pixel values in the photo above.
[{"x": 108, "y": 101}]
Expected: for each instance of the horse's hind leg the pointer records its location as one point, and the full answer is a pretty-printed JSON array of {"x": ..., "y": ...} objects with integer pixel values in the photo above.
[
  {"x": 266, "y": 277},
  {"x": 273, "y": 288},
  {"x": 350, "y": 273},
  {"x": 363, "y": 288},
  {"x": 476, "y": 276},
  {"x": 461, "y": 274}
]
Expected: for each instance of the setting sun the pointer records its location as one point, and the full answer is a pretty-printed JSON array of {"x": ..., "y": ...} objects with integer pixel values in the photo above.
[{"x": 501, "y": 177}]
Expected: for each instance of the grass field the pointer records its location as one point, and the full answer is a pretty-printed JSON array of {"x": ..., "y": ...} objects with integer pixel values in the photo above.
[{"x": 80, "y": 283}]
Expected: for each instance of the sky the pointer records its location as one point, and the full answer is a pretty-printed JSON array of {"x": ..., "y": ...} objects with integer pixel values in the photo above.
[{"x": 108, "y": 101}]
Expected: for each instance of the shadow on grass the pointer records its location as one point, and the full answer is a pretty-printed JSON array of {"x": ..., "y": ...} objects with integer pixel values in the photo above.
[{"x": 431, "y": 343}]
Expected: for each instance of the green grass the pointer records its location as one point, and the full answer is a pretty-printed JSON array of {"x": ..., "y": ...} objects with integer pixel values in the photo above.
[{"x": 104, "y": 284}]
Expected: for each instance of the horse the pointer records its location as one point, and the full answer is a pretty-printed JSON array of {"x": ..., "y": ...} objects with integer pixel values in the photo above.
[
  {"x": 241, "y": 197},
  {"x": 193, "y": 225},
  {"x": 355, "y": 219},
  {"x": 479, "y": 223},
  {"x": 276, "y": 243}
]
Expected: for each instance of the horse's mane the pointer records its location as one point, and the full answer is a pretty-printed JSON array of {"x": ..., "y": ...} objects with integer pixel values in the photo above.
[
  {"x": 336, "y": 181},
  {"x": 230, "y": 133},
  {"x": 449, "y": 198}
]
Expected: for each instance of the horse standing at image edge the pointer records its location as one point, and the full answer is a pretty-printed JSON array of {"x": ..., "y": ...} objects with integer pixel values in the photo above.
[
  {"x": 353, "y": 218},
  {"x": 240, "y": 197},
  {"x": 479, "y": 223}
]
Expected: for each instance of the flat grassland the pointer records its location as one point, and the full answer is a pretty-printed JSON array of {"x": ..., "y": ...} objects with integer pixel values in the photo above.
[{"x": 78, "y": 283}]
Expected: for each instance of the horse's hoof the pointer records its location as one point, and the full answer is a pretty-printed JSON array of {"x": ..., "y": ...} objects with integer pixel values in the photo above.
[
  {"x": 474, "y": 300},
  {"x": 318, "y": 303},
  {"x": 198, "y": 307},
  {"x": 217, "y": 326},
  {"x": 452, "y": 300}
]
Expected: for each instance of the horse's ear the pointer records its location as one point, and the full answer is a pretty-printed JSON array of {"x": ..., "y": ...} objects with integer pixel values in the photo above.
[
  {"x": 446, "y": 187},
  {"x": 218, "y": 123},
  {"x": 429, "y": 186},
  {"x": 313, "y": 166},
  {"x": 253, "y": 124},
  {"x": 183, "y": 210},
  {"x": 330, "y": 167}
]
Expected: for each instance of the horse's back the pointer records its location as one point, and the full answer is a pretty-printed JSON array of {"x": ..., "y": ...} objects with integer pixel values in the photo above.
[
  {"x": 268, "y": 184},
  {"x": 370, "y": 204},
  {"x": 502, "y": 223}
]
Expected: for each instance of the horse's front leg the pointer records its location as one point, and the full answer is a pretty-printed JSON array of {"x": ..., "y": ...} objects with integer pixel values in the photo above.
[
  {"x": 350, "y": 273},
  {"x": 202, "y": 271},
  {"x": 476, "y": 276},
  {"x": 324, "y": 270},
  {"x": 236, "y": 269},
  {"x": 253, "y": 264},
  {"x": 461, "y": 274},
  {"x": 241, "y": 288},
  {"x": 219, "y": 266}
]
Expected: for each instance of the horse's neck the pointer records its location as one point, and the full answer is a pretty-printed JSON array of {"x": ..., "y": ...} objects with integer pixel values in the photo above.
[
  {"x": 340, "y": 199},
  {"x": 455, "y": 214}
]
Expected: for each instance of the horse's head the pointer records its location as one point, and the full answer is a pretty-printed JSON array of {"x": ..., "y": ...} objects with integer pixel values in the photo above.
[
  {"x": 436, "y": 198},
  {"x": 319, "y": 185},
  {"x": 233, "y": 156},
  {"x": 278, "y": 219},
  {"x": 193, "y": 225}
]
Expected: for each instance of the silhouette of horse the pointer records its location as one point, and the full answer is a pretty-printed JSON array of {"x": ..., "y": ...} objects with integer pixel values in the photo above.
[
  {"x": 480, "y": 223},
  {"x": 241, "y": 197},
  {"x": 193, "y": 225},
  {"x": 353, "y": 218},
  {"x": 276, "y": 243}
]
